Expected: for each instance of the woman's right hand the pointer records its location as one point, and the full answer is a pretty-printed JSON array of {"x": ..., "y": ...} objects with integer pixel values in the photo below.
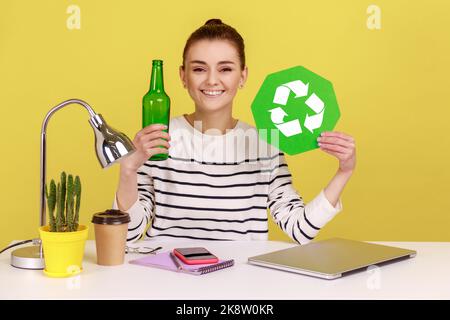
[{"x": 147, "y": 143}]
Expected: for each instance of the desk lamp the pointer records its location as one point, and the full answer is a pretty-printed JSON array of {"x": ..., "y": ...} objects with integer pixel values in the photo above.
[{"x": 110, "y": 146}]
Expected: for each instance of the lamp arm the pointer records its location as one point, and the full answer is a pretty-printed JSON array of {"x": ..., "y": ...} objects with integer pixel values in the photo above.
[{"x": 44, "y": 148}]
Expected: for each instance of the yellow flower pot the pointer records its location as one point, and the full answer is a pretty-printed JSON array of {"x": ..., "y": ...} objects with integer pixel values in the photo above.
[{"x": 63, "y": 251}]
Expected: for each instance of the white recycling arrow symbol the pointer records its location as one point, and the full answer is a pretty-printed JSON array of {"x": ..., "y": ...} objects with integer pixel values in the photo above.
[
  {"x": 315, "y": 121},
  {"x": 282, "y": 93},
  {"x": 293, "y": 127}
]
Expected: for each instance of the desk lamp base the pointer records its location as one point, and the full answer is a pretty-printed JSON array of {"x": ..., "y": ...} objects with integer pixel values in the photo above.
[{"x": 28, "y": 258}]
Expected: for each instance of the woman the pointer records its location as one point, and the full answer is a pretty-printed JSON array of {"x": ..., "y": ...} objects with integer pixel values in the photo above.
[{"x": 217, "y": 185}]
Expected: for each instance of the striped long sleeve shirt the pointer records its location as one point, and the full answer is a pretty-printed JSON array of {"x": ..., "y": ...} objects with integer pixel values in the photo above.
[{"x": 221, "y": 187}]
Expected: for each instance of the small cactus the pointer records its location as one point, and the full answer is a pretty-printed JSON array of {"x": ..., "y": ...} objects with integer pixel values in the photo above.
[
  {"x": 77, "y": 188},
  {"x": 62, "y": 196},
  {"x": 51, "y": 202},
  {"x": 59, "y": 209},
  {"x": 69, "y": 203}
]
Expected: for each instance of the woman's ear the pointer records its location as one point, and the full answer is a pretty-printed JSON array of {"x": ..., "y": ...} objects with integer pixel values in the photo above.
[
  {"x": 182, "y": 76},
  {"x": 244, "y": 75}
]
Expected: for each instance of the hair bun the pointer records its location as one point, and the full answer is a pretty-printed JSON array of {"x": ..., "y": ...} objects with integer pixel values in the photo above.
[{"x": 213, "y": 21}]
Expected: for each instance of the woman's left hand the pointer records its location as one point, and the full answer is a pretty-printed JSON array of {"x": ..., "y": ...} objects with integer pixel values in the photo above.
[{"x": 340, "y": 145}]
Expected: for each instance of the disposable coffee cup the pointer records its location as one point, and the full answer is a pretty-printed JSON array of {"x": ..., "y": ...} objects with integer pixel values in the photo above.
[{"x": 111, "y": 229}]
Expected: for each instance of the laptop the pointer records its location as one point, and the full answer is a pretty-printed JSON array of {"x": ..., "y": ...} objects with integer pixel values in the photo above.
[{"x": 332, "y": 258}]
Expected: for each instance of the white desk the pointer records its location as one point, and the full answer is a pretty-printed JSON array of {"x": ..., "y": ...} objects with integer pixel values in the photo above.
[{"x": 424, "y": 277}]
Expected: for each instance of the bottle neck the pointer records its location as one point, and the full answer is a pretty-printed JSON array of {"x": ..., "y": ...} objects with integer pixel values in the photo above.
[{"x": 157, "y": 81}]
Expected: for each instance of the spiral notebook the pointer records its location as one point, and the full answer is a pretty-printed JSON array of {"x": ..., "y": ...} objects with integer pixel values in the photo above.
[{"x": 164, "y": 261}]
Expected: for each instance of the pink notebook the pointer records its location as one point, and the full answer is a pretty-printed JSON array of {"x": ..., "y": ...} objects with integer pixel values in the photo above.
[{"x": 164, "y": 261}]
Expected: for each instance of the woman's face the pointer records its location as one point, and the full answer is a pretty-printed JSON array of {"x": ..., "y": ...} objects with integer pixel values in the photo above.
[{"x": 212, "y": 74}]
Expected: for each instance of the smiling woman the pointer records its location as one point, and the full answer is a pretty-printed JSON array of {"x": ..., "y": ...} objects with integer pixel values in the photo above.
[{"x": 218, "y": 181}]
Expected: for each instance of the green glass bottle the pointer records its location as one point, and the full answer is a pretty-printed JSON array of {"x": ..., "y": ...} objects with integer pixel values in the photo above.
[{"x": 156, "y": 104}]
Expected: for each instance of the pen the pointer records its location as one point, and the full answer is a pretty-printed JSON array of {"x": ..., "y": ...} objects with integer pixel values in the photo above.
[{"x": 175, "y": 260}]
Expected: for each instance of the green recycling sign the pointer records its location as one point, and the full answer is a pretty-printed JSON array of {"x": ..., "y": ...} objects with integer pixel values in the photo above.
[{"x": 297, "y": 105}]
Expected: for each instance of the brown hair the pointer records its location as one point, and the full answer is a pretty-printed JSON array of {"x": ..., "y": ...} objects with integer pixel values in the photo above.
[{"x": 215, "y": 29}]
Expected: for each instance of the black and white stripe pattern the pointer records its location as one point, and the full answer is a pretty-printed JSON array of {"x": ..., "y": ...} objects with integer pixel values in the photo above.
[{"x": 208, "y": 199}]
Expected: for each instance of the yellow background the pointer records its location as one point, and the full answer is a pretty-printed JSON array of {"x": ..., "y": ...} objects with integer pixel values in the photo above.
[{"x": 392, "y": 86}]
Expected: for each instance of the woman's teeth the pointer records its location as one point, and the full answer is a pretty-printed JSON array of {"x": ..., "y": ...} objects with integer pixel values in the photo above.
[{"x": 212, "y": 93}]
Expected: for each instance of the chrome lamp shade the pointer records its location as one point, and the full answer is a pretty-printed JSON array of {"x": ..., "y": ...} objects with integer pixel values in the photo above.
[{"x": 110, "y": 144}]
